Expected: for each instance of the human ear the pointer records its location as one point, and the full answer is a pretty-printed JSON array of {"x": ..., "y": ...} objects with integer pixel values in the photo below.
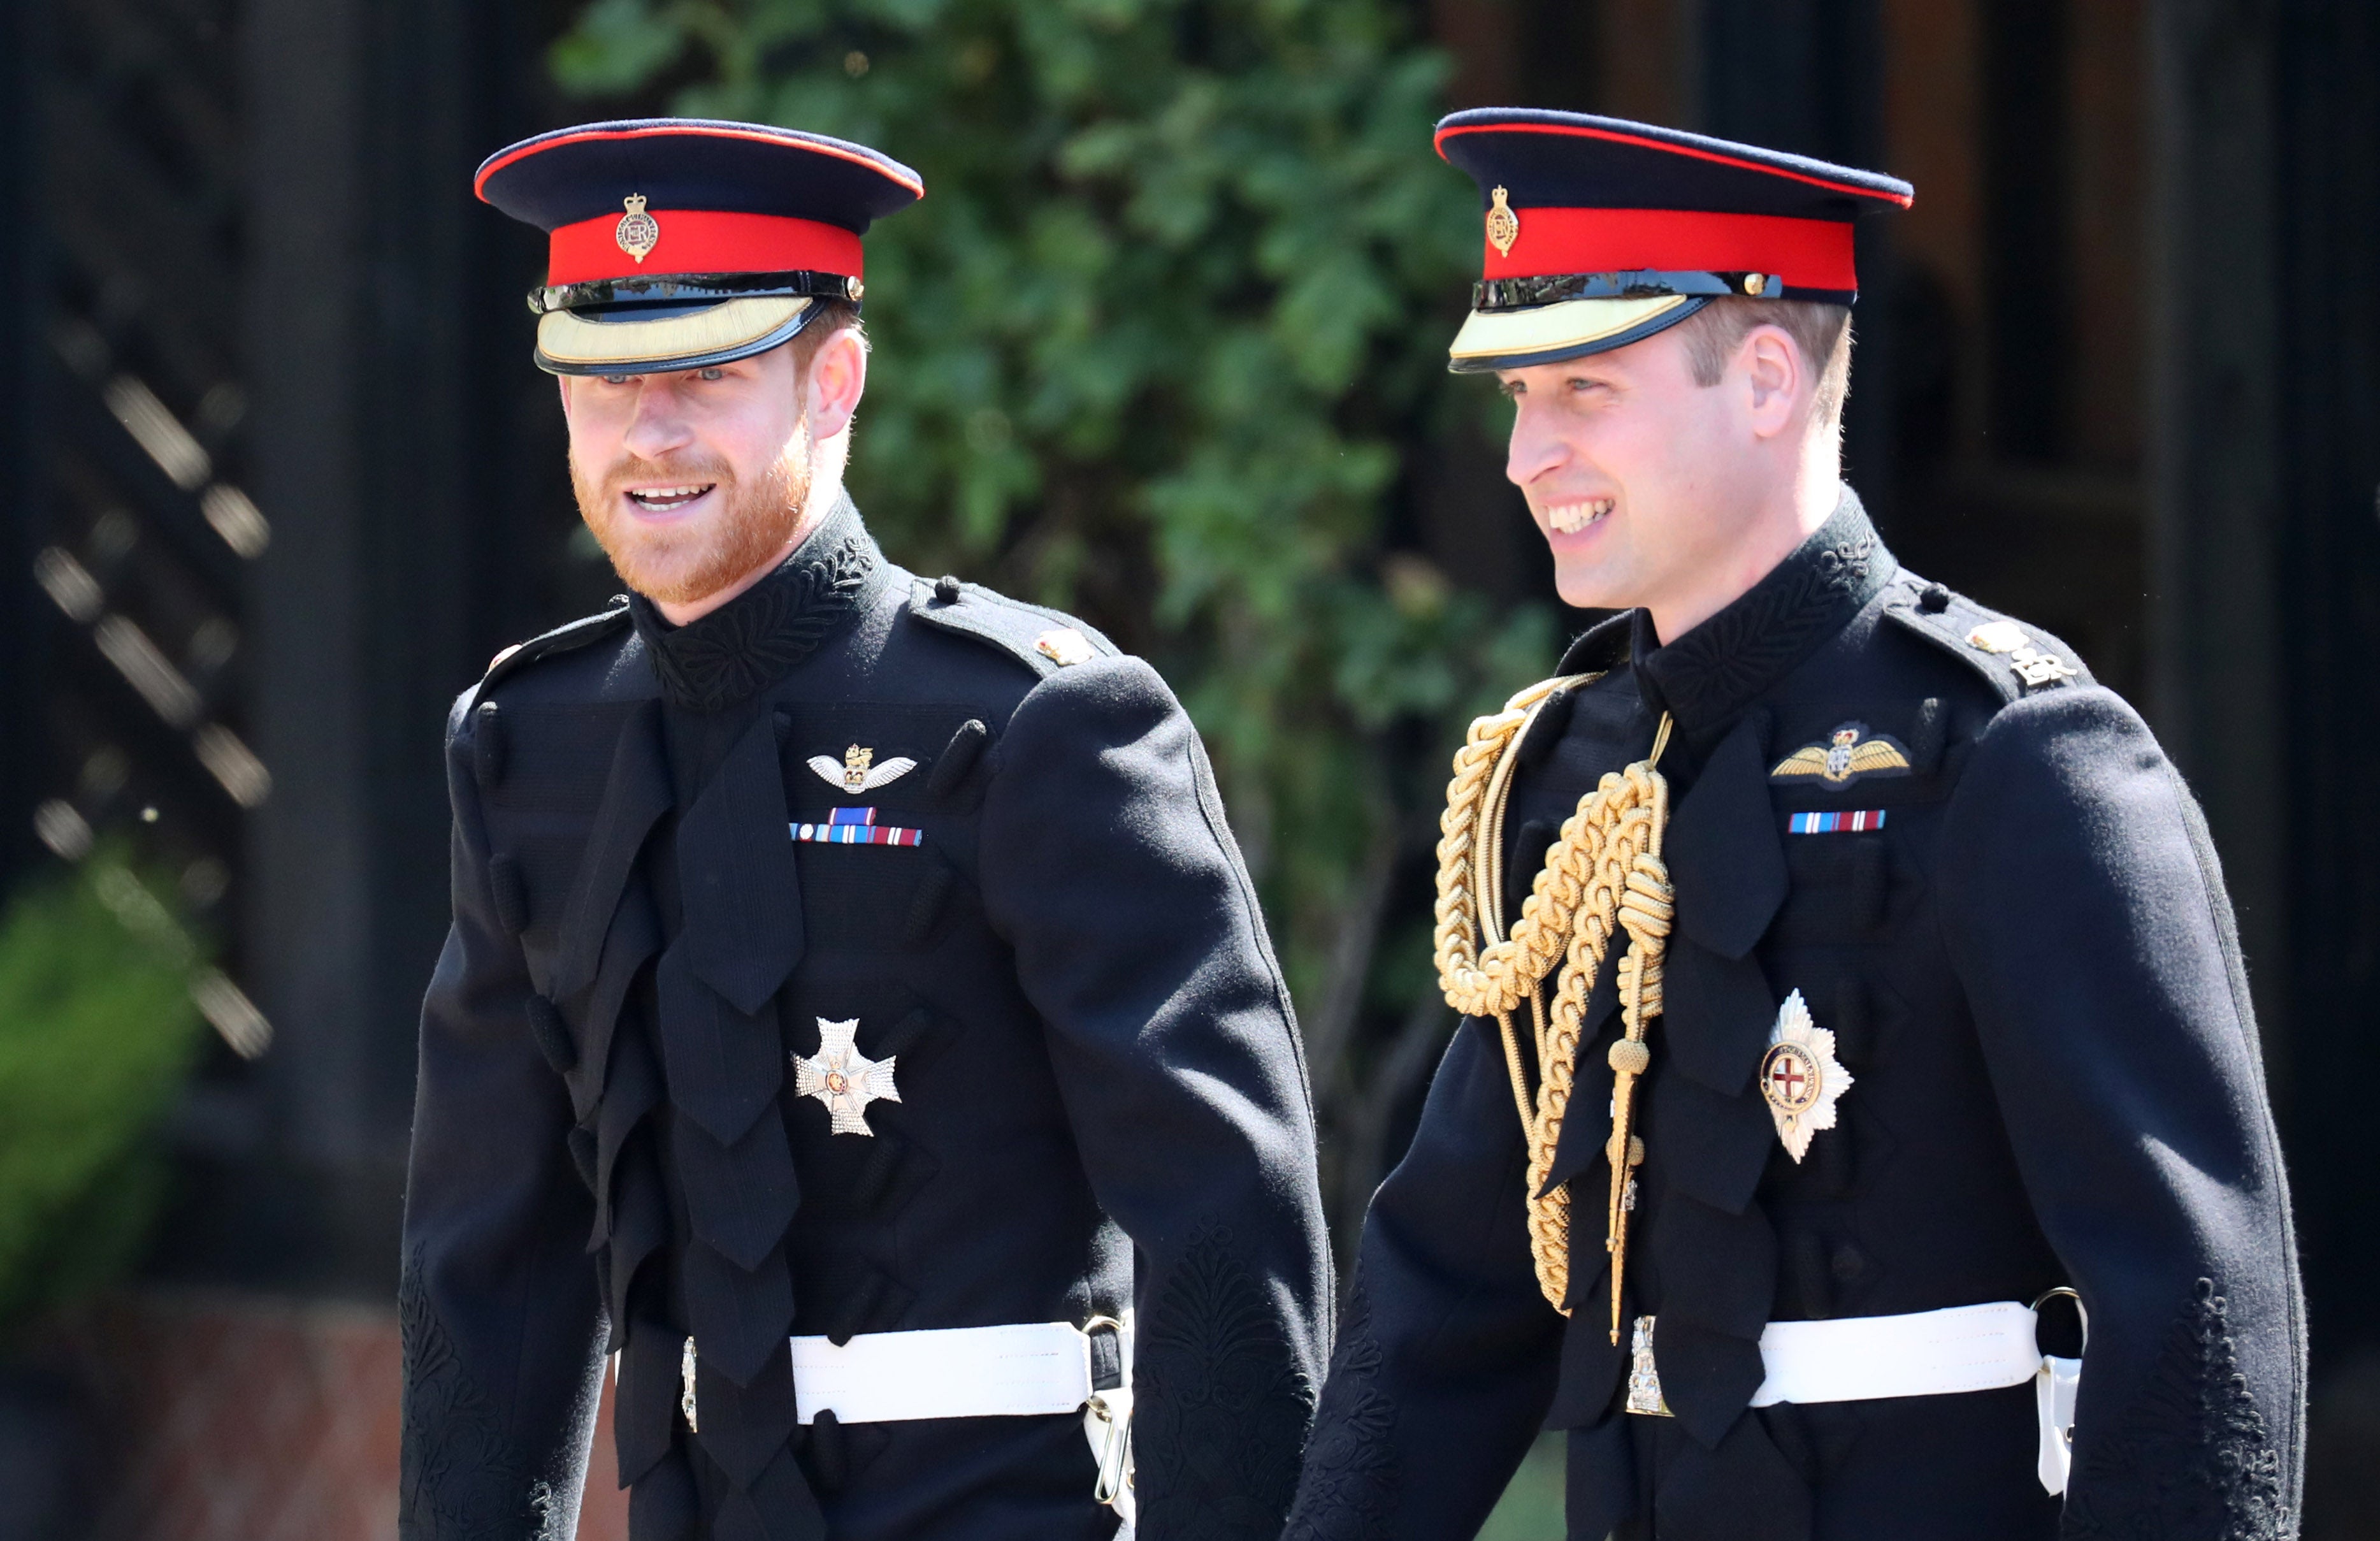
[
  {"x": 838, "y": 379},
  {"x": 1773, "y": 376}
]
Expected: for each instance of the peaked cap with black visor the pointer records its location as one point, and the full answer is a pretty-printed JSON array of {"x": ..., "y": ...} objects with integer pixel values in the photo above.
[
  {"x": 681, "y": 243},
  {"x": 1602, "y": 232}
]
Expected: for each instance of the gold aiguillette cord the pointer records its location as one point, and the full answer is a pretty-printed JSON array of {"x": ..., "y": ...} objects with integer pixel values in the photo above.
[
  {"x": 1602, "y": 875},
  {"x": 1646, "y": 912}
]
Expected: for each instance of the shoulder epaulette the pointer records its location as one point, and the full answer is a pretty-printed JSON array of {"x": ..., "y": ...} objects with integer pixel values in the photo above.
[
  {"x": 1044, "y": 641},
  {"x": 561, "y": 639},
  {"x": 2015, "y": 659}
]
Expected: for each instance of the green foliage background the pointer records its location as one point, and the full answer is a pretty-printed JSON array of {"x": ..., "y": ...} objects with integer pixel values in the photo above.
[
  {"x": 1160, "y": 346},
  {"x": 96, "y": 1031}
]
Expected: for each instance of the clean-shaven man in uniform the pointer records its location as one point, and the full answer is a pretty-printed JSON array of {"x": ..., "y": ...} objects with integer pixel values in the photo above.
[{"x": 1857, "y": 1131}]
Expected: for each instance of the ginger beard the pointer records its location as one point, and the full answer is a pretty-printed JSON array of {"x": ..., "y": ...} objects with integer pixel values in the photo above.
[{"x": 682, "y": 560}]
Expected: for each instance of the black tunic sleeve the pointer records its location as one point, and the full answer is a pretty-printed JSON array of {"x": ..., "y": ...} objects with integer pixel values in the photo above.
[
  {"x": 2084, "y": 909},
  {"x": 1108, "y": 868},
  {"x": 1447, "y": 1359},
  {"x": 498, "y": 1301}
]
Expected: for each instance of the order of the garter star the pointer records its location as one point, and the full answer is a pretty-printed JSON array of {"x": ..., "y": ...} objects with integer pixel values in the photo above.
[
  {"x": 844, "y": 1078},
  {"x": 1800, "y": 1077}
]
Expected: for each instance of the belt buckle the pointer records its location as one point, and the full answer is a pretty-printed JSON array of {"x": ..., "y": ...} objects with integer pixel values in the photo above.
[
  {"x": 1115, "y": 1448},
  {"x": 1643, "y": 1380}
]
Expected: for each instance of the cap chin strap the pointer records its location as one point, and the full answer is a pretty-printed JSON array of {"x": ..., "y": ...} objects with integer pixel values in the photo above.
[
  {"x": 1493, "y": 294},
  {"x": 692, "y": 288}
]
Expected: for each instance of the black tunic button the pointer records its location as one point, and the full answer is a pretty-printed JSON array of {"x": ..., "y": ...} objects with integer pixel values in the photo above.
[
  {"x": 552, "y": 1036},
  {"x": 1934, "y": 598},
  {"x": 958, "y": 757},
  {"x": 487, "y": 747},
  {"x": 510, "y": 890},
  {"x": 947, "y": 588}
]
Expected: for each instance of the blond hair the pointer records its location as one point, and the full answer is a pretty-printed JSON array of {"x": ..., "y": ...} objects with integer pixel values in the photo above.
[{"x": 1823, "y": 333}]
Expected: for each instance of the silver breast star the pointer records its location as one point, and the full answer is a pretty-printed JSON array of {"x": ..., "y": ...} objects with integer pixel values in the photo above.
[{"x": 844, "y": 1078}]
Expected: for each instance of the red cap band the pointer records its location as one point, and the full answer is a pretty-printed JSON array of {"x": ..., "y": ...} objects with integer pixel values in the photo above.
[
  {"x": 696, "y": 240},
  {"x": 1806, "y": 253}
]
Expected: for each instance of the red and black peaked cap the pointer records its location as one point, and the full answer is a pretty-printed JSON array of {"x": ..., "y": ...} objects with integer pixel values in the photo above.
[
  {"x": 677, "y": 243},
  {"x": 1601, "y": 232}
]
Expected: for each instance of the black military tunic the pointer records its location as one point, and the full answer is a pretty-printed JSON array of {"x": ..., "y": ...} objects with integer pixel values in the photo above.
[
  {"x": 2032, "y": 974},
  {"x": 1101, "y": 1099}
]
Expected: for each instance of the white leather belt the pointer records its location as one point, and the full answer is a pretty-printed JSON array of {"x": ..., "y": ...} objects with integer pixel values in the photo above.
[
  {"x": 1927, "y": 1354},
  {"x": 961, "y": 1372},
  {"x": 1025, "y": 1370},
  {"x": 1924, "y": 1353}
]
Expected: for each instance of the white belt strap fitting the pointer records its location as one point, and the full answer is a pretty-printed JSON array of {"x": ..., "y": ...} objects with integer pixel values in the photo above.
[
  {"x": 1025, "y": 1370},
  {"x": 1924, "y": 1353},
  {"x": 960, "y": 1372}
]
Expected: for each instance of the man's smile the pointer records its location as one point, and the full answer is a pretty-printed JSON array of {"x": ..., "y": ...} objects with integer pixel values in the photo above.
[
  {"x": 1569, "y": 518},
  {"x": 668, "y": 500}
]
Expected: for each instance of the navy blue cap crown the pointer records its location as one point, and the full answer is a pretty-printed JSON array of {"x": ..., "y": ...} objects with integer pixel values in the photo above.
[
  {"x": 579, "y": 174},
  {"x": 1601, "y": 232},
  {"x": 677, "y": 243},
  {"x": 1547, "y": 158}
]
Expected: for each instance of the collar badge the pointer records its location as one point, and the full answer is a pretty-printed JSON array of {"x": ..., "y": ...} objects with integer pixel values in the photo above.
[
  {"x": 1848, "y": 753},
  {"x": 858, "y": 772},
  {"x": 1503, "y": 226},
  {"x": 844, "y": 1078},
  {"x": 1800, "y": 1077},
  {"x": 637, "y": 231}
]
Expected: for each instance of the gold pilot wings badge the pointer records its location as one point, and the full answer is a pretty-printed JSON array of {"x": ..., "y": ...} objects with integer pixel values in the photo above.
[
  {"x": 858, "y": 772},
  {"x": 1848, "y": 753},
  {"x": 1800, "y": 1077}
]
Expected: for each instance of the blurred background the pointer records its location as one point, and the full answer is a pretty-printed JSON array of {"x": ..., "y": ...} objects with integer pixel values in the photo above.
[{"x": 1164, "y": 345}]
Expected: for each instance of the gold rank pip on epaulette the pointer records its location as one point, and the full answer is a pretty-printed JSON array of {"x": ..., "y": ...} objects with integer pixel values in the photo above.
[{"x": 2034, "y": 665}]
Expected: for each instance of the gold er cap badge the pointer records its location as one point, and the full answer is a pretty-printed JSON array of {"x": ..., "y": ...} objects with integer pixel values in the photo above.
[
  {"x": 637, "y": 231},
  {"x": 1503, "y": 226}
]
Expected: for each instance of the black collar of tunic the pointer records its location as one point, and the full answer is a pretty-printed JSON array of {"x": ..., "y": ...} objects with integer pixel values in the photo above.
[
  {"x": 747, "y": 644},
  {"x": 1723, "y": 665}
]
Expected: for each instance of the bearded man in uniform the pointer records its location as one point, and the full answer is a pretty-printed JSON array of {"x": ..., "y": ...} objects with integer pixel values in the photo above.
[{"x": 857, "y": 1023}]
